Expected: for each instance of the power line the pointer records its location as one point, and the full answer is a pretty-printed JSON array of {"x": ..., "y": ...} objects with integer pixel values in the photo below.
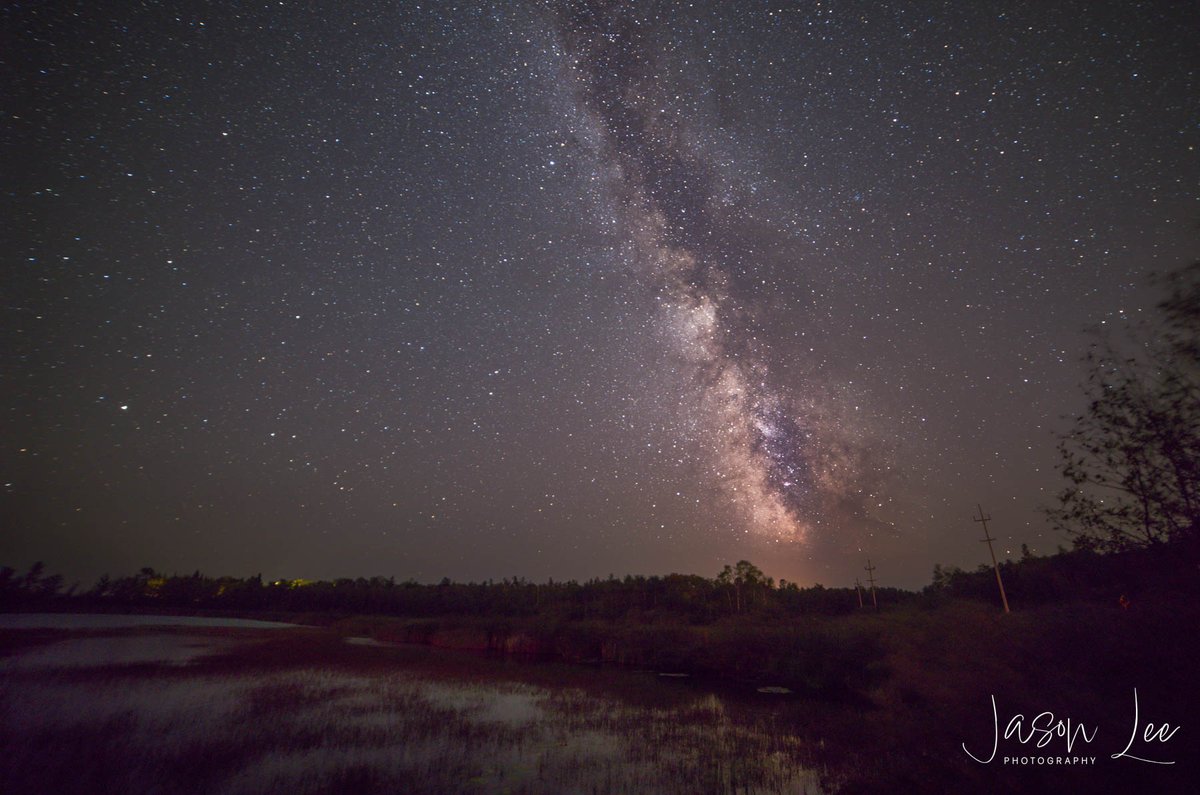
[
  {"x": 987, "y": 539},
  {"x": 870, "y": 570}
]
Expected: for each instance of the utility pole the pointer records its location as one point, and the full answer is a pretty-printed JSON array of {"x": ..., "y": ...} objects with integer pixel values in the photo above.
[
  {"x": 987, "y": 539},
  {"x": 858, "y": 590},
  {"x": 870, "y": 570}
]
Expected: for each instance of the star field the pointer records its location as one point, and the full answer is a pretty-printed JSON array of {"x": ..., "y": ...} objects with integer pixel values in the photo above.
[{"x": 565, "y": 289}]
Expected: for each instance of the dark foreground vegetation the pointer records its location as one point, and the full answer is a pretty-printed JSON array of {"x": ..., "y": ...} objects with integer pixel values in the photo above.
[
  {"x": 740, "y": 625},
  {"x": 884, "y": 700}
]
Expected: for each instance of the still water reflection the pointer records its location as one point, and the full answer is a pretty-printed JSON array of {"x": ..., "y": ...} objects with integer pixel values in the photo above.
[{"x": 379, "y": 728}]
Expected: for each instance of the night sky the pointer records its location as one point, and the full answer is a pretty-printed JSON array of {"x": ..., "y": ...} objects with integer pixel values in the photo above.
[{"x": 569, "y": 289}]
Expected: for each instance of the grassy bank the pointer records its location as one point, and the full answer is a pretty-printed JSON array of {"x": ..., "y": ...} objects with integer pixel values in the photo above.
[
  {"x": 917, "y": 683},
  {"x": 833, "y": 657},
  {"x": 885, "y": 702}
]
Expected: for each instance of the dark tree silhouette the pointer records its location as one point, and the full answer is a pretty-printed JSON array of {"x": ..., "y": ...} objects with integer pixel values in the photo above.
[
  {"x": 742, "y": 582},
  {"x": 1132, "y": 458}
]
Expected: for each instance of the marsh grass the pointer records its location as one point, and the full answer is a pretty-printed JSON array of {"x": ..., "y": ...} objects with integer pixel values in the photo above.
[
  {"x": 262, "y": 715},
  {"x": 891, "y": 699}
]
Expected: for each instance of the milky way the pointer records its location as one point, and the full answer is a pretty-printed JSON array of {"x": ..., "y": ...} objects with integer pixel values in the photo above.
[
  {"x": 568, "y": 289},
  {"x": 772, "y": 451}
]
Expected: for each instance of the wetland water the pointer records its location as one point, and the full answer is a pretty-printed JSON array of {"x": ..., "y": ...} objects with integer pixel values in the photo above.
[
  {"x": 117, "y": 621},
  {"x": 225, "y": 708}
]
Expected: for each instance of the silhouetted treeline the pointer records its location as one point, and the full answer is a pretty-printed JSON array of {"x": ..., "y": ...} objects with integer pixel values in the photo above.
[
  {"x": 1081, "y": 574},
  {"x": 740, "y": 591},
  {"x": 737, "y": 591},
  {"x": 33, "y": 586}
]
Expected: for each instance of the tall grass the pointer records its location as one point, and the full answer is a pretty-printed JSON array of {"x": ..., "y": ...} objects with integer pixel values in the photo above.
[{"x": 258, "y": 727}]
